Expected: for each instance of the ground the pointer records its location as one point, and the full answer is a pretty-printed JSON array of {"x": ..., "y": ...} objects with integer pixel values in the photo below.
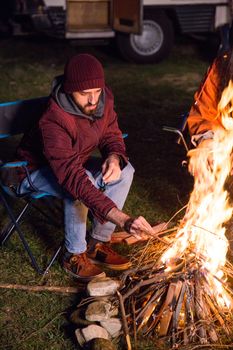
[{"x": 147, "y": 97}]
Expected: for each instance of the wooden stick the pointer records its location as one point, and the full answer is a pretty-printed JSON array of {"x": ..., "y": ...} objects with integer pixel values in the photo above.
[
  {"x": 217, "y": 314},
  {"x": 56, "y": 289},
  {"x": 124, "y": 321},
  {"x": 158, "y": 230},
  {"x": 200, "y": 309},
  {"x": 134, "y": 323},
  {"x": 143, "y": 283}
]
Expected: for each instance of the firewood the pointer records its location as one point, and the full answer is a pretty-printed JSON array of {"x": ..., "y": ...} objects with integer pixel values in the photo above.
[
  {"x": 124, "y": 321},
  {"x": 179, "y": 305},
  {"x": 144, "y": 283},
  {"x": 118, "y": 237},
  {"x": 171, "y": 300},
  {"x": 55, "y": 289},
  {"x": 200, "y": 310},
  {"x": 217, "y": 314}
]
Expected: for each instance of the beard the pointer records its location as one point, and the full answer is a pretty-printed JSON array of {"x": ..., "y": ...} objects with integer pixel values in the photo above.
[{"x": 89, "y": 109}]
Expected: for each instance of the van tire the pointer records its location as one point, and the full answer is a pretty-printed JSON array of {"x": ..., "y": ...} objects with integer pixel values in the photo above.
[{"x": 153, "y": 45}]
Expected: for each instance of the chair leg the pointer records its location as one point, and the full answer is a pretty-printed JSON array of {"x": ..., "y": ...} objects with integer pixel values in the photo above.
[
  {"x": 5, "y": 235},
  {"x": 54, "y": 257},
  {"x": 15, "y": 225}
]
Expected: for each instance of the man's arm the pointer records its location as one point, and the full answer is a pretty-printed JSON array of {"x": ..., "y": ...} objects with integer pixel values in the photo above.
[{"x": 203, "y": 116}]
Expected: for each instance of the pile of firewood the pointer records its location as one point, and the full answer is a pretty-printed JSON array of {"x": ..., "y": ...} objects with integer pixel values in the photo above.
[{"x": 176, "y": 302}]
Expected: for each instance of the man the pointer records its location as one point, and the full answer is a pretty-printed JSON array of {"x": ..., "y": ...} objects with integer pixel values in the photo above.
[
  {"x": 204, "y": 117},
  {"x": 80, "y": 117}
]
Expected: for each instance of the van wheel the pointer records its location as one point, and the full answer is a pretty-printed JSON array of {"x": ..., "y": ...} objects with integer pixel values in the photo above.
[{"x": 153, "y": 45}]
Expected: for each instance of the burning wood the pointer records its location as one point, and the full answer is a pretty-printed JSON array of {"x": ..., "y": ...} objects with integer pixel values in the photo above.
[
  {"x": 181, "y": 292},
  {"x": 175, "y": 300}
]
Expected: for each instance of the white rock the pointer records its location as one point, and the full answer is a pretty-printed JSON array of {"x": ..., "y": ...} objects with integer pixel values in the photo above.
[
  {"x": 100, "y": 310},
  {"x": 84, "y": 335},
  {"x": 113, "y": 326},
  {"x": 103, "y": 286}
]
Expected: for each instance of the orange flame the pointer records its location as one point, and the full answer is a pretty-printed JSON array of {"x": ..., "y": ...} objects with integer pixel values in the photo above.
[{"x": 202, "y": 231}]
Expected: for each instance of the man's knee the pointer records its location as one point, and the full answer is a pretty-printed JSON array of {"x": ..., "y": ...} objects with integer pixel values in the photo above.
[{"x": 128, "y": 172}]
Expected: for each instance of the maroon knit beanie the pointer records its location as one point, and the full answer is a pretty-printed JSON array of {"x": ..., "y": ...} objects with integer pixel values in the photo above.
[{"x": 83, "y": 72}]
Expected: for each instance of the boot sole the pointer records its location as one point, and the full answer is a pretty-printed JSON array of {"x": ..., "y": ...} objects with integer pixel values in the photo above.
[
  {"x": 83, "y": 279},
  {"x": 112, "y": 266}
]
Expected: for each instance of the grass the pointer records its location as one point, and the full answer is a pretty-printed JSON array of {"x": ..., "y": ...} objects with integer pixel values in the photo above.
[{"x": 146, "y": 98}]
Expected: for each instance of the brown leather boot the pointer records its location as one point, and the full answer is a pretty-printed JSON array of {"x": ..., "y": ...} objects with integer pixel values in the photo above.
[
  {"x": 104, "y": 255},
  {"x": 80, "y": 267}
]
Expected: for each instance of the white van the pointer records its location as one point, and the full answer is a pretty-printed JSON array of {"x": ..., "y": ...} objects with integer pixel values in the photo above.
[{"x": 144, "y": 29}]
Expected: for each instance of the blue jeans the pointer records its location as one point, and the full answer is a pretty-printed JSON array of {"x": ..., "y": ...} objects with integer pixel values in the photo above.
[{"x": 75, "y": 212}]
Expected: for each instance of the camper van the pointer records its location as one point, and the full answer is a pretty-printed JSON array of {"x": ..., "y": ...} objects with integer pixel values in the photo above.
[{"x": 144, "y": 30}]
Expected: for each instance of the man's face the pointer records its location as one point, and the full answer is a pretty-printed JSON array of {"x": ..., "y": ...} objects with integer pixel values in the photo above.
[{"x": 87, "y": 100}]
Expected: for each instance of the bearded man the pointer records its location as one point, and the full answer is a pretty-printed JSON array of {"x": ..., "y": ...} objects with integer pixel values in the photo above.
[{"x": 80, "y": 118}]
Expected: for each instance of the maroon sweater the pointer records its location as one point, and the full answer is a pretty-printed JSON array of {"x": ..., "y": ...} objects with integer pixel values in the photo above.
[{"x": 65, "y": 141}]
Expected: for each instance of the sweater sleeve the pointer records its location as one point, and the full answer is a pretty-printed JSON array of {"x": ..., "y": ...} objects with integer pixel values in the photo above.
[
  {"x": 67, "y": 167},
  {"x": 203, "y": 115}
]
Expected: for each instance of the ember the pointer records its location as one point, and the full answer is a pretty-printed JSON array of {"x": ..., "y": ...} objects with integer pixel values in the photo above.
[{"x": 182, "y": 292}]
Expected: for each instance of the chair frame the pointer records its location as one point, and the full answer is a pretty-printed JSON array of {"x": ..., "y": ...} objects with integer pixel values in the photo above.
[
  {"x": 180, "y": 131},
  {"x": 15, "y": 118}
]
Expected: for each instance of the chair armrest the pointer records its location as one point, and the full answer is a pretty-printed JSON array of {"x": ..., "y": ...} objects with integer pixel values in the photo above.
[
  {"x": 9, "y": 176},
  {"x": 180, "y": 131},
  {"x": 13, "y": 164}
]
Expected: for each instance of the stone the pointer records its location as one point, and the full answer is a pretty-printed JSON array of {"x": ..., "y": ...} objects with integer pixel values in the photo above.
[
  {"x": 86, "y": 334},
  {"x": 76, "y": 318},
  {"x": 113, "y": 326},
  {"x": 100, "y": 311},
  {"x": 103, "y": 286},
  {"x": 101, "y": 344}
]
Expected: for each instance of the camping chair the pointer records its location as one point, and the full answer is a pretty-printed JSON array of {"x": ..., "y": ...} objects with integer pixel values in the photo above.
[
  {"x": 16, "y": 118},
  {"x": 181, "y": 131}
]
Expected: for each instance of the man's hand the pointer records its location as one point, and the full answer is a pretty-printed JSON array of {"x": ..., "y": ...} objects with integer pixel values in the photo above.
[
  {"x": 111, "y": 168},
  {"x": 138, "y": 226},
  {"x": 135, "y": 226},
  {"x": 206, "y": 147}
]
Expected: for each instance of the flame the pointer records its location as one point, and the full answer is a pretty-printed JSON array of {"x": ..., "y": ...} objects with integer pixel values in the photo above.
[{"x": 202, "y": 231}]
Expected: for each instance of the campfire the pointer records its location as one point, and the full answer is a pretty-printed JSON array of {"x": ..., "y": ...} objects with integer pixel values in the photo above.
[{"x": 179, "y": 289}]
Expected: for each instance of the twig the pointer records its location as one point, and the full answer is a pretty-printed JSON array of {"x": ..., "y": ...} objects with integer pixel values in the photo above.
[
  {"x": 145, "y": 283},
  {"x": 134, "y": 324},
  {"x": 124, "y": 321},
  {"x": 184, "y": 207},
  {"x": 213, "y": 233},
  {"x": 217, "y": 346},
  {"x": 56, "y": 289}
]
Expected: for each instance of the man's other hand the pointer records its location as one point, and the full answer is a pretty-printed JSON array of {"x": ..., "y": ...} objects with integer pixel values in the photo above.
[
  {"x": 134, "y": 226},
  {"x": 138, "y": 226},
  {"x": 111, "y": 169},
  {"x": 206, "y": 148}
]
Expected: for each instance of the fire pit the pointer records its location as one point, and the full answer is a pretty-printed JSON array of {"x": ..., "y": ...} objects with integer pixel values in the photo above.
[
  {"x": 179, "y": 290},
  {"x": 176, "y": 300}
]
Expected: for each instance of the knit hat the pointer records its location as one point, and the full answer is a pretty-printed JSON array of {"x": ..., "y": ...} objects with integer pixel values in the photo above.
[{"x": 83, "y": 72}]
